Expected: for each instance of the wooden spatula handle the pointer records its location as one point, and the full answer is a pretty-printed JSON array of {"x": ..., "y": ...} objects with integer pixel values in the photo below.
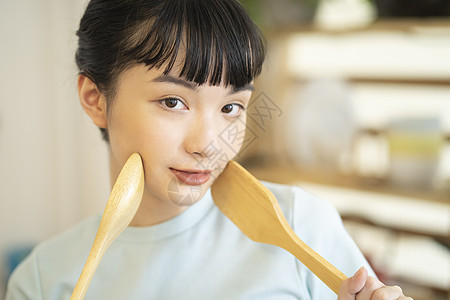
[
  {"x": 326, "y": 272},
  {"x": 256, "y": 212}
]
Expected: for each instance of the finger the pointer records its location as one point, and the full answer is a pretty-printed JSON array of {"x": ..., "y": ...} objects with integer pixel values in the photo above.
[
  {"x": 351, "y": 286},
  {"x": 372, "y": 284},
  {"x": 387, "y": 292}
]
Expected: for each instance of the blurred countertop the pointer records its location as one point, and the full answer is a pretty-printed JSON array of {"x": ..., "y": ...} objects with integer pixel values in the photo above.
[{"x": 408, "y": 210}]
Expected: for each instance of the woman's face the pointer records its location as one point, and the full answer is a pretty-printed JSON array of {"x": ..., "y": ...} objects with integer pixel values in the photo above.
[{"x": 185, "y": 133}]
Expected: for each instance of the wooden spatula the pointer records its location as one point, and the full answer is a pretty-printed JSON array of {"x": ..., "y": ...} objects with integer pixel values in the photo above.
[
  {"x": 120, "y": 209},
  {"x": 255, "y": 211}
]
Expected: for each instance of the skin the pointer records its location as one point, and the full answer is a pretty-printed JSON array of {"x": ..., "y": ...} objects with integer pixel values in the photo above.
[
  {"x": 141, "y": 119},
  {"x": 172, "y": 123},
  {"x": 361, "y": 286}
]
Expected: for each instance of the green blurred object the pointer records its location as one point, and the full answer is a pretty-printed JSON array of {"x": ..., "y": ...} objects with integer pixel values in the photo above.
[{"x": 281, "y": 13}]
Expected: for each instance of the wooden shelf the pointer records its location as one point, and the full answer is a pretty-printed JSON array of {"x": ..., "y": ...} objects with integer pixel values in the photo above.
[
  {"x": 293, "y": 175},
  {"x": 342, "y": 190}
]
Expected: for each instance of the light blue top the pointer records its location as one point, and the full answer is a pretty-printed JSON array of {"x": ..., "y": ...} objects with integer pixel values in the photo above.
[{"x": 199, "y": 254}]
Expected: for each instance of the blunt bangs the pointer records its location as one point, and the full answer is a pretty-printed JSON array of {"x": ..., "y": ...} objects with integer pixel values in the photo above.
[{"x": 215, "y": 39}]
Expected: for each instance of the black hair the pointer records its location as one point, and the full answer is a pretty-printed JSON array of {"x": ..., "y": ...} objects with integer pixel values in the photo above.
[{"x": 220, "y": 43}]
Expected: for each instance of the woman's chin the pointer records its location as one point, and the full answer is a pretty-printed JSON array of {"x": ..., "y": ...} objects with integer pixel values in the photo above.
[{"x": 184, "y": 195}]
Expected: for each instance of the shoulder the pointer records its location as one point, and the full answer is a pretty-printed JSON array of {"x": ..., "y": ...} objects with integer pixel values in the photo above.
[
  {"x": 74, "y": 237},
  {"x": 297, "y": 203},
  {"x": 316, "y": 221},
  {"x": 52, "y": 257}
]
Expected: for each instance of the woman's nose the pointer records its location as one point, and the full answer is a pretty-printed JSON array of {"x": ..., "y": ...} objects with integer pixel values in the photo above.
[{"x": 201, "y": 138}]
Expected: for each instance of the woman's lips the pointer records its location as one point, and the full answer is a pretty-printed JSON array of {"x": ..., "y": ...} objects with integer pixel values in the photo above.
[{"x": 192, "y": 177}]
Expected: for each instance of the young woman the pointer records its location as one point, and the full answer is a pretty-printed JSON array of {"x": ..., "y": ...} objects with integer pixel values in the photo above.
[{"x": 167, "y": 79}]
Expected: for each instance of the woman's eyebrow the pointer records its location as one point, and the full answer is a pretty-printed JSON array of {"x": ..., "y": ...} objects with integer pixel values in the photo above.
[
  {"x": 193, "y": 86},
  {"x": 176, "y": 80}
]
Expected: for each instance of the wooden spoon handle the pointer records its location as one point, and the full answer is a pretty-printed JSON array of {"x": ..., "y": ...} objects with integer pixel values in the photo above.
[
  {"x": 92, "y": 262},
  {"x": 120, "y": 209},
  {"x": 326, "y": 272}
]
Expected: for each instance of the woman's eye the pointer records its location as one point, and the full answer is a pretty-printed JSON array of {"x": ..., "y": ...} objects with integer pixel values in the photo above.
[
  {"x": 173, "y": 103},
  {"x": 232, "y": 109}
]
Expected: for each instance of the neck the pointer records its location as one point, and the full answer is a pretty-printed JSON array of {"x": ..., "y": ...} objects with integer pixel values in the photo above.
[{"x": 153, "y": 211}]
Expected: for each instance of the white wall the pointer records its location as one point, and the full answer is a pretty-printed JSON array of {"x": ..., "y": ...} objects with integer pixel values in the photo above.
[{"x": 53, "y": 164}]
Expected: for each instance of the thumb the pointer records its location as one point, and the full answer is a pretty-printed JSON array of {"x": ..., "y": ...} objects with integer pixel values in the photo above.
[{"x": 351, "y": 286}]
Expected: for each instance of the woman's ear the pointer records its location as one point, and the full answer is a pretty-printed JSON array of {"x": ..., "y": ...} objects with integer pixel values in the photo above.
[{"x": 92, "y": 101}]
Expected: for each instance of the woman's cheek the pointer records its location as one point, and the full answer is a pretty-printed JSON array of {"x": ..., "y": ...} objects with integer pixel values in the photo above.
[{"x": 233, "y": 137}]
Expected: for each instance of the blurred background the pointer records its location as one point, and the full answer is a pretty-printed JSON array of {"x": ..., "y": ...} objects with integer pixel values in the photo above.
[{"x": 353, "y": 105}]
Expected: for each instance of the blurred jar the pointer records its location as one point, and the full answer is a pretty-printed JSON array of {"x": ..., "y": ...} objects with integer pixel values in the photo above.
[
  {"x": 371, "y": 154},
  {"x": 415, "y": 145},
  {"x": 441, "y": 180},
  {"x": 319, "y": 126}
]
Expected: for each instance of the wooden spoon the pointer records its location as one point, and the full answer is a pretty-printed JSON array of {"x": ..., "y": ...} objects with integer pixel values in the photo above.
[
  {"x": 255, "y": 210},
  {"x": 120, "y": 209}
]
